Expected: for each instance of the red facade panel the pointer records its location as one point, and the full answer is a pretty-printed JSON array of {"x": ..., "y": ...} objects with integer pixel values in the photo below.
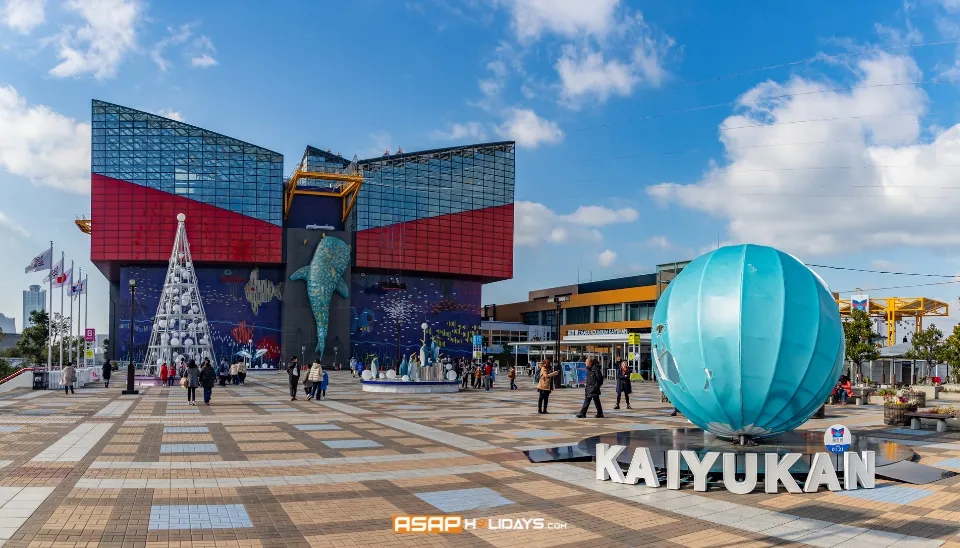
[
  {"x": 136, "y": 223},
  {"x": 472, "y": 243}
]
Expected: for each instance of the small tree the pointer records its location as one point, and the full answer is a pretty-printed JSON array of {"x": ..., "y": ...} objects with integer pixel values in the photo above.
[
  {"x": 928, "y": 347},
  {"x": 950, "y": 353},
  {"x": 32, "y": 345},
  {"x": 858, "y": 332}
]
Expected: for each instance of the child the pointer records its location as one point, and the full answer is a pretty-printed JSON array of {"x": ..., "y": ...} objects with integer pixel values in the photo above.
[
  {"x": 323, "y": 386},
  {"x": 512, "y": 375}
]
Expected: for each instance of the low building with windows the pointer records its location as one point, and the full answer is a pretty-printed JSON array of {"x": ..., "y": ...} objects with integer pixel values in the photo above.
[{"x": 596, "y": 318}]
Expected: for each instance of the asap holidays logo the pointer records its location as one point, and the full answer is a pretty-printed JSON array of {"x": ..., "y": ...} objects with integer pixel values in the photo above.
[{"x": 837, "y": 438}]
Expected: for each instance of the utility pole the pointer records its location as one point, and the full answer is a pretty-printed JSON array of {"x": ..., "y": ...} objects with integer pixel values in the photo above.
[{"x": 558, "y": 300}]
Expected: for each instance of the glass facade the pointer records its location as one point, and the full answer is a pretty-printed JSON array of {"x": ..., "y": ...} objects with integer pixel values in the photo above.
[
  {"x": 173, "y": 157},
  {"x": 578, "y": 314},
  {"x": 640, "y": 311},
  {"x": 146, "y": 169},
  {"x": 446, "y": 211},
  {"x": 317, "y": 161},
  {"x": 531, "y": 318},
  {"x": 609, "y": 313}
]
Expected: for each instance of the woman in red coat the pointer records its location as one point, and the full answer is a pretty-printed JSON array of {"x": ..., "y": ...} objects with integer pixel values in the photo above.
[
  {"x": 164, "y": 374},
  {"x": 843, "y": 390}
]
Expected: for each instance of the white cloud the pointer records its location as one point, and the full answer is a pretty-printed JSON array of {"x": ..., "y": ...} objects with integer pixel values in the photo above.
[
  {"x": 776, "y": 192},
  {"x": 100, "y": 45},
  {"x": 471, "y": 131},
  {"x": 202, "y": 53},
  {"x": 536, "y": 223},
  {"x": 10, "y": 230},
  {"x": 175, "y": 36},
  {"x": 382, "y": 142},
  {"x": 585, "y": 72},
  {"x": 529, "y": 130},
  {"x": 41, "y": 145},
  {"x": 23, "y": 15},
  {"x": 198, "y": 49},
  {"x": 607, "y": 257},
  {"x": 661, "y": 242},
  {"x": 569, "y": 18},
  {"x": 602, "y": 216},
  {"x": 170, "y": 113},
  {"x": 882, "y": 264}
]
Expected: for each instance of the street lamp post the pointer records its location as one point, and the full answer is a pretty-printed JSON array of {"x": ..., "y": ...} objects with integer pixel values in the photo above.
[
  {"x": 130, "y": 371},
  {"x": 558, "y": 300},
  {"x": 250, "y": 343}
]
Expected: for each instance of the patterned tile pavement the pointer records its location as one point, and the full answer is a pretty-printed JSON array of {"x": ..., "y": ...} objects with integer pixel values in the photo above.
[{"x": 256, "y": 470}]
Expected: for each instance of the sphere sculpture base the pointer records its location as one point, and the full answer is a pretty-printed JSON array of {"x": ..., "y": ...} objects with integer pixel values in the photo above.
[{"x": 398, "y": 386}]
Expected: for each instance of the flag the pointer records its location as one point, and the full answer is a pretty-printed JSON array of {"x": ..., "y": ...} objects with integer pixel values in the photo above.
[
  {"x": 40, "y": 262},
  {"x": 80, "y": 287},
  {"x": 64, "y": 279},
  {"x": 55, "y": 271}
]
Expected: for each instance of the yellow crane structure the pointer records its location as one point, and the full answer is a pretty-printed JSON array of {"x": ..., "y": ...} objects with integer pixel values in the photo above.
[
  {"x": 343, "y": 184},
  {"x": 896, "y": 309}
]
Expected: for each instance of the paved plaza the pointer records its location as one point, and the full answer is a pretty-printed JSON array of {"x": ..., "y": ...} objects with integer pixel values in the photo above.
[{"x": 254, "y": 469}]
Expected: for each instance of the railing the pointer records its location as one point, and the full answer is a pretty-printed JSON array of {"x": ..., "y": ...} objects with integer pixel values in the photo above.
[{"x": 15, "y": 374}]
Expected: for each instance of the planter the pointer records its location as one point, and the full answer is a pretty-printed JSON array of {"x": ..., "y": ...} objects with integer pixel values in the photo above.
[
  {"x": 893, "y": 414},
  {"x": 932, "y": 392},
  {"x": 919, "y": 398}
]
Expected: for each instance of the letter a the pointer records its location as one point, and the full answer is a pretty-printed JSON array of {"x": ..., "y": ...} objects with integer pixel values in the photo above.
[
  {"x": 854, "y": 468},
  {"x": 774, "y": 472},
  {"x": 607, "y": 465},
  {"x": 641, "y": 468},
  {"x": 821, "y": 472}
]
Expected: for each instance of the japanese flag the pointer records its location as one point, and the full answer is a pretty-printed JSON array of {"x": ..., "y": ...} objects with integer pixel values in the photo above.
[{"x": 65, "y": 279}]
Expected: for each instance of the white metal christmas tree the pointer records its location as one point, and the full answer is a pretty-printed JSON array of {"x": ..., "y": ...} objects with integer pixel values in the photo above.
[{"x": 180, "y": 328}]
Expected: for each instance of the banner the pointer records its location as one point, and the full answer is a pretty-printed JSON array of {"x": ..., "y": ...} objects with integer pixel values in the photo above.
[
  {"x": 78, "y": 288},
  {"x": 55, "y": 271},
  {"x": 65, "y": 279},
  {"x": 860, "y": 302},
  {"x": 40, "y": 262}
]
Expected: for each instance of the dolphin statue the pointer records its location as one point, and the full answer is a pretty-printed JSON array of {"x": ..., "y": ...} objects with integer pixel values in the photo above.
[{"x": 324, "y": 275}]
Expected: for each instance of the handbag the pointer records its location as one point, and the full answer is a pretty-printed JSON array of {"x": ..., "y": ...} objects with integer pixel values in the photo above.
[{"x": 183, "y": 382}]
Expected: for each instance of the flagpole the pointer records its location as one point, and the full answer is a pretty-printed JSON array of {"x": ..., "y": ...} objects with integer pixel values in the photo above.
[
  {"x": 59, "y": 327},
  {"x": 70, "y": 331},
  {"x": 50, "y": 317},
  {"x": 86, "y": 310}
]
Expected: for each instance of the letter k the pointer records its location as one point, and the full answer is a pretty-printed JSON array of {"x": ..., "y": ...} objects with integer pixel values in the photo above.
[{"x": 607, "y": 465}]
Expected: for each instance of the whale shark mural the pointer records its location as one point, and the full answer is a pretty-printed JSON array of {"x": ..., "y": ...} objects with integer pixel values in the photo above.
[{"x": 324, "y": 276}]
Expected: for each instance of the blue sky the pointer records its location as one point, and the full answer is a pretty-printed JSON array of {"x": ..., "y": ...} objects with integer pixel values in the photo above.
[{"x": 647, "y": 131}]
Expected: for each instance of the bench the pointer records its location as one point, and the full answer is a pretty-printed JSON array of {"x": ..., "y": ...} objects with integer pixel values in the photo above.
[
  {"x": 939, "y": 417},
  {"x": 861, "y": 394}
]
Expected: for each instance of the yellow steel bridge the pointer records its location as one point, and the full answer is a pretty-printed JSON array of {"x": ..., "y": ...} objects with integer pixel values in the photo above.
[{"x": 897, "y": 309}]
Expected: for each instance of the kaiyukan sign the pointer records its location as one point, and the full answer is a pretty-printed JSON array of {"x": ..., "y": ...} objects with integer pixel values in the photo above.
[{"x": 858, "y": 470}]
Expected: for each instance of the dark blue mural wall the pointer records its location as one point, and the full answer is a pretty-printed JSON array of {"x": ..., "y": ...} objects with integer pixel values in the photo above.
[
  {"x": 241, "y": 304},
  {"x": 379, "y": 317}
]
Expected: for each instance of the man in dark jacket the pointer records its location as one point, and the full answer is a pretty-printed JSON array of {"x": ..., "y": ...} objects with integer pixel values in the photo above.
[
  {"x": 107, "y": 371},
  {"x": 208, "y": 377},
  {"x": 592, "y": 391},
  {"x": 293, "y": 377}
]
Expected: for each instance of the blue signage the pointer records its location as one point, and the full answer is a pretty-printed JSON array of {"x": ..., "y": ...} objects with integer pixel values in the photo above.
[
  {"x": 837, "y": 438},
  {"x": 477, "y": 340}
]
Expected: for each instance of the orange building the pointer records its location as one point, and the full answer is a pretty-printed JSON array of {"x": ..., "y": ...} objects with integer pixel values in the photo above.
[{"x": 621, "y": 305}]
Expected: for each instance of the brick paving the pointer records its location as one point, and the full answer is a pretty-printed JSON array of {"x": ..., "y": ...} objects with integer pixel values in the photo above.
[{"x": 255, "y": 470}]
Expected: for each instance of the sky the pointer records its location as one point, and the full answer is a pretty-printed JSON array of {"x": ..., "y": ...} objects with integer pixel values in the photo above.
[{"x": 647, "y": 131}]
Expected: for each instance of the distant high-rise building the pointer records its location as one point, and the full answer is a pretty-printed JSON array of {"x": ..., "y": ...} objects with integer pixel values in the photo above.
[
  {"x": 33, "y": 299},
  {"x": 8, "y": 325}
]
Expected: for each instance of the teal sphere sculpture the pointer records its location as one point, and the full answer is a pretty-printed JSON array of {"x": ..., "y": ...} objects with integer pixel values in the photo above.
[{"x": 747, "y": 340}]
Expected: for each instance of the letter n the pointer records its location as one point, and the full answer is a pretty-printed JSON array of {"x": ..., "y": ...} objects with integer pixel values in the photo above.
[{"x": 856, "y": 469}]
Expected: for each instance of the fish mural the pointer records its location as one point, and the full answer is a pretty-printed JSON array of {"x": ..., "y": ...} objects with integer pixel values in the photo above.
[
  {"x": 324, "y": 276},
  {"x": 260, "y": 291}
]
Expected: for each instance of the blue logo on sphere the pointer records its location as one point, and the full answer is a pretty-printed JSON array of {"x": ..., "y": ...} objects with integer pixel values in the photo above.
[{"x": 747, "y": 340}]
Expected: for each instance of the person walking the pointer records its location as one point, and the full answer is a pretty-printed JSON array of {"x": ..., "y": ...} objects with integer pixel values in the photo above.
[
  {"x": 164, "y": 374},
  {"x": 191, "y": 376},
  {"x": 242, "y": 371},
  {"x": 107, "y": 371},
  {"x": 545, "y": 386},
  {"x": 512, "y": 375},
  {"x": 293, "y": 377},
  {"x": 207, "y": 379},
  {"x": 314, "y": 376},
  {"x": 235, "y": 373},
  {"x": 592, "y": 390},
  {"x": 487, "y": 372},
  {"x": 223, "y": 370},
  {"x": 69, "y": 377},
  {"x": 466, "y": 375},
  {"x": 477, "y": 375},
  {"x": 623, "y": 384},
  {"x": 324, "y": 381}
]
